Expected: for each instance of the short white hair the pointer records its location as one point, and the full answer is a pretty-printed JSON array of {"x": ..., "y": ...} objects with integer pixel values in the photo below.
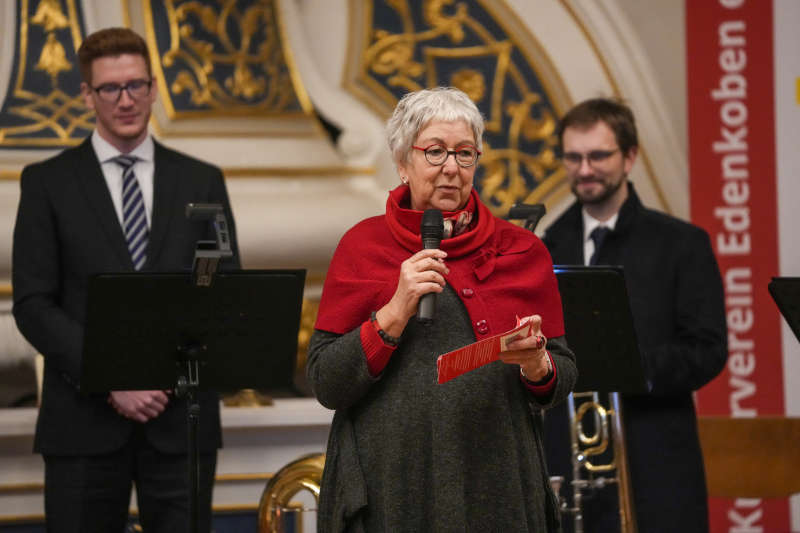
[{"x": 417, "y": 109}]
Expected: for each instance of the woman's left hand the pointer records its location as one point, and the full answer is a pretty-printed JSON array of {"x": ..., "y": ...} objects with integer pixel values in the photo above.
[{"x": 529, "y": 353}]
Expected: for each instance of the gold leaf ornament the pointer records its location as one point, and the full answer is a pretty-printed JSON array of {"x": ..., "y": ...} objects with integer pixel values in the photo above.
[
  {"x": 451, "y": 26},
  {"x": 185, "y": 82},
  {"x": 205, "y": 14},
  {"x": 53, "y": 58},
  {"x": 250, "y": 23},
  {"x": 50, "y": 16},
  {"x": 396, "y": 56},
  {"x": 472, "y": 82},
  {"x": 244, "y": 84}
]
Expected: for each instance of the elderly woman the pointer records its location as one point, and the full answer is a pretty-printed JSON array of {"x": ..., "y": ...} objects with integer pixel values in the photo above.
[{"x": 406, "y": 453}]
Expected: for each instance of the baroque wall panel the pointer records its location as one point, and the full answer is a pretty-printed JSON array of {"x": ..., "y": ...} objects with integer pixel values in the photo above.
[
  {"x": 406, "y": 45},
  {"x": 43, "y": 106},
  {"x": 221, "y": 58},
  {"x": 223, "y": 68}
]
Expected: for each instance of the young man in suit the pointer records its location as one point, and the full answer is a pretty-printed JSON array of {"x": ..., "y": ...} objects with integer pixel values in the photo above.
[
  {"x": 676, "y": 299},
  {"x": 113, "y": 204}
]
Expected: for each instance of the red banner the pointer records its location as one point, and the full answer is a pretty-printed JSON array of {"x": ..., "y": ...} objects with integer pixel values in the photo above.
[{"x": 732, "y": 161}]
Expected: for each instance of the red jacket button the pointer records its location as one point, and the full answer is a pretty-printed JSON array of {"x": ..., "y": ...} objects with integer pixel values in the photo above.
[{"x": 467, "y": 293}]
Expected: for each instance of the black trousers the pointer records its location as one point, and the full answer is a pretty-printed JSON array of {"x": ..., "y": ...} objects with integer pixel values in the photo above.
[{"x": 87, "y": 494}]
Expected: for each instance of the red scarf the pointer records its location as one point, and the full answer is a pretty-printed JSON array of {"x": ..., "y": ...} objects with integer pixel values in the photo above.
[
  {"x": 399, "y": 203},
  {"x": 498, "y": 270},
  {"x": 404, "y": 223}
]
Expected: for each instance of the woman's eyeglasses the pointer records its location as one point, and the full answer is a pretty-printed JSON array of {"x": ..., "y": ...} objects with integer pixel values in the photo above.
[
  {"x": 465, "y": 155},
  {"x": 595, "y": 157}
]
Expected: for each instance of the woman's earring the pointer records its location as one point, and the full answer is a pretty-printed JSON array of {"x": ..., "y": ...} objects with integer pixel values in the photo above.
[{"x": 404, "y": 180}]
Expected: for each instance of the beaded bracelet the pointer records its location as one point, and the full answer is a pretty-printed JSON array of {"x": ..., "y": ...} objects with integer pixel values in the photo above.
[{"x": 388, "y": 339}]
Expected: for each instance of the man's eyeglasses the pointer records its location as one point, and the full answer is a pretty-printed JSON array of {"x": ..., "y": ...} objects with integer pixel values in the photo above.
[
  {"x": 595, "y": 157},
  {"x": 112, "y": 92},
  {"x": 465, "y": 154}
]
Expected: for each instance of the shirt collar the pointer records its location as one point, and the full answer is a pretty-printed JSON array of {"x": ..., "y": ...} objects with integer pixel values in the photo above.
[
  {"x": 106, "y": 151},
  {"x": 589, "y": 223}
]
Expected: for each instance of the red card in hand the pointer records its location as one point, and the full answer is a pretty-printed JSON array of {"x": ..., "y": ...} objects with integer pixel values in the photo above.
[{"x": 475, "y": 355}]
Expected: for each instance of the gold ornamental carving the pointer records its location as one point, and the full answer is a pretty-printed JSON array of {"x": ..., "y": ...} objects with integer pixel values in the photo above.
[
  {"x": 407, "y": 45},
  {"x": 222, "y": 58},
  {"x": 51, "y": 112}
]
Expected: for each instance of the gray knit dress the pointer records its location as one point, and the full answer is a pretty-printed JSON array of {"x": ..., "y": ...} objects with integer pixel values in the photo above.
[{"x": 407, "y": 454}]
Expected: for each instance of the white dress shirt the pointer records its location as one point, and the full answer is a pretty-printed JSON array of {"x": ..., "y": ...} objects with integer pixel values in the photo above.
[
  {"x": 589, "y": 223},
  {"x": 144, "y": 168}
]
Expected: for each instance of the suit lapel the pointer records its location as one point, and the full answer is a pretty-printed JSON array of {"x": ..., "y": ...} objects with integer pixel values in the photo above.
[
  {"x": 569, "y": 237},
  {"x": 90, "y": 176},
  {"x": 164, "y": 187}
]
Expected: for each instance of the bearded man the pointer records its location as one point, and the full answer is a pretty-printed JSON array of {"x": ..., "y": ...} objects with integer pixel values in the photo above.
[{"x": 676, "y": 299}]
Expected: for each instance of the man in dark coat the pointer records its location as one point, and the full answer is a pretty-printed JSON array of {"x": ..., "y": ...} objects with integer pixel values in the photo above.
[
  {"x": 113, "y": 204},
  {"x": 676, "y": 299}
]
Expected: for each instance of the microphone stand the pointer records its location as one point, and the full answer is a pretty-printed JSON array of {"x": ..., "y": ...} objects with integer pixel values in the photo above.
[
  {"x": 208, "y": 255},
  {"x": 531, "y": 213}
]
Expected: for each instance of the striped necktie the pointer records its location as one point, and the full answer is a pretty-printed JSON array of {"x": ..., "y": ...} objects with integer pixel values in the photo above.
[{"x": 134, "y": 218}]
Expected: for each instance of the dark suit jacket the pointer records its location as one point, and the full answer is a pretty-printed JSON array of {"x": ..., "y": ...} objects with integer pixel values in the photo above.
[
  {"x": 676, "y": 299},
  {"x": 67, "y": 230}
]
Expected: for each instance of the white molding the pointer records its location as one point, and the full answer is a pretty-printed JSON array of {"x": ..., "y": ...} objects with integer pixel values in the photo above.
[
  {"x": 257, "y": 440},
  {"x": 320, "y": 66},
  {"x": 286, "y": 412},
  {"x": 103, "y": 14}
]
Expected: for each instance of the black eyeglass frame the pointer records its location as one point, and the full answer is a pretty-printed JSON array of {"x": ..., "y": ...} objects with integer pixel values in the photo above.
[
  {"x": 127, "y": 87},
  {"x": 593, "y": 157},
  {"x": 453, "y": 152}
]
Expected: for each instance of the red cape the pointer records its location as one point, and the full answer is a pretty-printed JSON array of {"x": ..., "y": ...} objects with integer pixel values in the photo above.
[{"x": 498, "y": 270}]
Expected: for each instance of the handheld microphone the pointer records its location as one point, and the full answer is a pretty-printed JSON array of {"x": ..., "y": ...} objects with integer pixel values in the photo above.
[{"x": 432, "y": 231}]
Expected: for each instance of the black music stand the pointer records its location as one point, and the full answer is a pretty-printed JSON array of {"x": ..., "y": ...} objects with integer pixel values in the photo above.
[
  {"x": 238, "y": 332},
  {"x": 599, "y": 329},
  {"x": 786, "y": 293}
]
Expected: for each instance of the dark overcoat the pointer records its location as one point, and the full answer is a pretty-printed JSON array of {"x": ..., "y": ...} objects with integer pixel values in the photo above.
[{"x": 676, "y": 299}]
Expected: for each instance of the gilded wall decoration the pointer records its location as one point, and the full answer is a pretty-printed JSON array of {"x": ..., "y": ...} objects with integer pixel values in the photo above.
[
  {"x": 413, "y": 44},
  {"x": 222, "y": 58},
  {"x": 43, "y": 105}
]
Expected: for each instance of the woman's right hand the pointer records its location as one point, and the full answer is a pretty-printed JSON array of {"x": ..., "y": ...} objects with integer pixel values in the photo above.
[{"x": 420, "y": 274}]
